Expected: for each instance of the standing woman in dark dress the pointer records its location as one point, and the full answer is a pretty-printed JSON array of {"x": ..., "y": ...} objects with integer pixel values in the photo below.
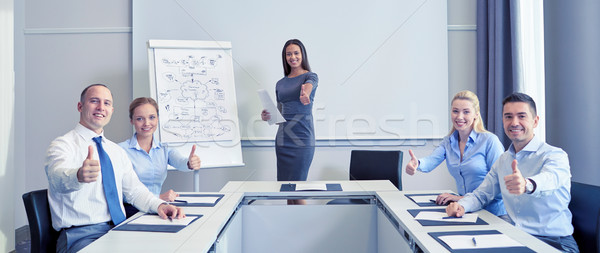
[{"x": 295, "y": 141}]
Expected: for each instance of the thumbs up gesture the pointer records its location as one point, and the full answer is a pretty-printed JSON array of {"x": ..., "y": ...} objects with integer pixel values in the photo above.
[
  {"x": 194, "y": 161},
  {"x": 515, "y": 182},
  {"x": 413, "y": 164},
  {"x": 90, "y": 169},
  {"x": 305, "y": 91}
]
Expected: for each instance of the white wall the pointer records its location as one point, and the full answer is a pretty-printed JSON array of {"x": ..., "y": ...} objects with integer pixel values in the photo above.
[
  {"x": 7, "y": 96},
  {"x": 62, "y": 46},
  {"x": 332, "y": 162}
]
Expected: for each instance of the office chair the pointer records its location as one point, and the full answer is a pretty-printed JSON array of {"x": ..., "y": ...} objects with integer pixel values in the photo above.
[
  {"x": 43, "y": 236},
  {"x": 376, "y": 165},
  {"x": 585, "y": 207},
  {"x": 373, "y": 165}
]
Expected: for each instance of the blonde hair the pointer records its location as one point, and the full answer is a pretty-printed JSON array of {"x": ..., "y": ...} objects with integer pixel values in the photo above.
[{"x": 471, "y": 97}]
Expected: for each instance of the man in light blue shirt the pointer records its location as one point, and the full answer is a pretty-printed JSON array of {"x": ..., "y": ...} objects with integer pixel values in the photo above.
[{"x": 533, "y": 177}]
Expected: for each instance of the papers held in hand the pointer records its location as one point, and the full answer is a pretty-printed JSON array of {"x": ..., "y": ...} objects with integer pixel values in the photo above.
[
  {"x": 441, "y": 216},
  {"x": 268, "y": 105}
]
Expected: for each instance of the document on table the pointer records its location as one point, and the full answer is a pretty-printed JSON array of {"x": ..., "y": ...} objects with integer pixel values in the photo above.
[
  {"x": 424, "y": 198},
  {"x": 197, "y": 200},
  {"x": 268, "y": 105},
  {"x": 311, "y": 187},
  {"x": 479, "y": 241},
  {"x": 441, "y": 216},
  {"x": 150, "y": 219}
]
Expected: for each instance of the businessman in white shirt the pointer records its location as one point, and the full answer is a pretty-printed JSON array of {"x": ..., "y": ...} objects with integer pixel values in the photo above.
[{"x": 89, "y": 176}]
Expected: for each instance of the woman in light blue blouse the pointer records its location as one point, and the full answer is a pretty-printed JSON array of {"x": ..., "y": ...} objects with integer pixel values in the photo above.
[
  {"x": 148, "y": 156},
  {"x": 469, "y": 151}
]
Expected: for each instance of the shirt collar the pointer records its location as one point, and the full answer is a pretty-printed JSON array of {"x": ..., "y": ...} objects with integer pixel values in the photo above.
[
  {"x": 133, "y": 143},
  {"x": 86, "y": 133},
  {"x": 533, "y": 145},
  {"x": 472, "y": 136}
]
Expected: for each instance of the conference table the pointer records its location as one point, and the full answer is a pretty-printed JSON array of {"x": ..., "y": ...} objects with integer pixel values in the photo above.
[{"x": 254, "y": 216}]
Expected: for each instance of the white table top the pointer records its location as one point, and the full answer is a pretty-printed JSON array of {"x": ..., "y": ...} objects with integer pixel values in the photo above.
[
  {"x": 200, "y": 235},
  {"x": 398, "y": 204},
  {"x": 274, "y": 186}
]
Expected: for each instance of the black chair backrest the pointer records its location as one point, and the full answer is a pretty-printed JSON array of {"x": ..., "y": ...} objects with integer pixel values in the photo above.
[
  {"x": 43, "y": 236},
  {"x": 376, "y": 165},
  {"x": 585, "y": 207}
]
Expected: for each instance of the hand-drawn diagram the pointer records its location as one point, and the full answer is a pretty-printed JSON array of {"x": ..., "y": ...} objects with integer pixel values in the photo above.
[{"x": 193, "y": 90}]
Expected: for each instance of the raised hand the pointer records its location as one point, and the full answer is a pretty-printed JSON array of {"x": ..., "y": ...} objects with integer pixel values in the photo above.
[
  {"x": 413, "y": 164},
  {"x": 265, "y": 115},
  {"x": 515, "y": 182},
  {"x": 90, "y": 169},
  {"x": 194, "y": 161},
  {"x": 169, "y": 195},
  {"x": 455, "y": 209},
  {"x": 305, "y": 93}
]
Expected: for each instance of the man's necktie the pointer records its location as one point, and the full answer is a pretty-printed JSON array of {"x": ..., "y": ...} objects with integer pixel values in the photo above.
[{"x": 109, "y": 185}]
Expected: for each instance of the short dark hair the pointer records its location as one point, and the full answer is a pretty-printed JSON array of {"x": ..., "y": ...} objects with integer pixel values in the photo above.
[
  {"x": 286, "y": 67},
  {"x": 141, "y": 101},
  {"x": 521, "y": 97},
  {"x": 87, "y": 88}
]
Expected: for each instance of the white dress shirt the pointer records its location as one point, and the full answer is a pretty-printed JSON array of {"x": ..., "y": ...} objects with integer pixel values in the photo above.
[
  {"x": 75, "y": 204},
  {"x": 545, "y": 212}
]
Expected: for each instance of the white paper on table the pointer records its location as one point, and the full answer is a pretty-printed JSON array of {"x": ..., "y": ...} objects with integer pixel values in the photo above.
[
  {"x": 198, "y": 200},
  {"x": 483, "y": 241},
  {"x": 439, "y": 216},
  {"x": 151, "y": 219},
  {"x": 311, "y": 187},
  {"x": 268, "y": 105},
  {"x": 424, "y": 198}
]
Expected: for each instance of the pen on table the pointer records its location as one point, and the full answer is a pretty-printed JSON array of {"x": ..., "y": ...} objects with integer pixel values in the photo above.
[
  {"x": 451, "y": 217},
  {"x": 170, "y": 218},
  {"x": 474, "y": 242}
]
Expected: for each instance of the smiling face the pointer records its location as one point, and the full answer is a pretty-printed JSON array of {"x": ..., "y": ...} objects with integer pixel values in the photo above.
[
  {"x": 96, "y": 108},
  {"x": 293, "y": 56},
  {"x": 463, "y": 115},
  {"x": 144, "y": 120},
  {"x": 519, "y": 122}
]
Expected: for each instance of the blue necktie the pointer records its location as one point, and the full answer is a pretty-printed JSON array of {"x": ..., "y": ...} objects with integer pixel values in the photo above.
[{"x": 108, "y": 182}]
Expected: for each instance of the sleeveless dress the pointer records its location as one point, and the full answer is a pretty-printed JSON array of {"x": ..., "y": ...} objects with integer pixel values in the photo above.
[{"x": 295, "y": 140}]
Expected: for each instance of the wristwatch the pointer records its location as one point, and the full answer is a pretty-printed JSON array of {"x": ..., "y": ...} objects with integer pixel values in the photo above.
[{"x": 529, "y": 187}]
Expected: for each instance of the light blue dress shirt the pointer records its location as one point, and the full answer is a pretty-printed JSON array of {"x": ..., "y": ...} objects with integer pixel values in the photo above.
[
  {"x": 545, "y": 212},
  {"x": 481, "y": 151},
  {"x": 151, "y": 167}
]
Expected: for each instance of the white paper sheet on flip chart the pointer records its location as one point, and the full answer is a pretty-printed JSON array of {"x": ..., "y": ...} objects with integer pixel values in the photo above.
[
  {"x": 440, "y": 216},
  {"x": 479, "y": 241},
  {"x": 268, "y": 105}
]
